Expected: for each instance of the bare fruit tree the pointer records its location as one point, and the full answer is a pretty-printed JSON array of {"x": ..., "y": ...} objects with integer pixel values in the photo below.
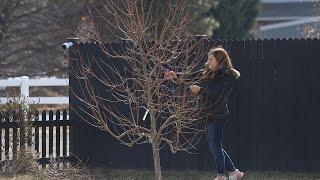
[{"x": 153, "y": 39}]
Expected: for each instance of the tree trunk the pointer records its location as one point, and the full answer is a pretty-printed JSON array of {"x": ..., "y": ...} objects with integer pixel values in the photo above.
[{"x": 156, "y": 160}]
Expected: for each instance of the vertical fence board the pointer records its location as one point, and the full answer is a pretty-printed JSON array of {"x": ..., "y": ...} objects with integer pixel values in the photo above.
[
  {"x": 36, "y": 133},
  {"x": 314, "y": 96},
  {"x": 58, "y": 119},
  {"x": 6, "y": 138},
  {"x": 283, "y": 83},
  {"x": 64, "y": 137},
  {"x": 15, "y": 140},
  {"x": 51, "y": 133},
  {"x": 29, "y": 136},
  {"x": 44, "y": 137},
  {"x": 268, "y": 129},
  {"x": 22, "y": 136},
  {"x": 71, "y": 141},
  {"x": 255, "y": 104}
]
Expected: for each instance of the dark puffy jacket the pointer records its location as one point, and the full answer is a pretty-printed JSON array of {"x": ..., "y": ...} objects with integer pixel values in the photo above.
[{"x": 215, "y": 92}]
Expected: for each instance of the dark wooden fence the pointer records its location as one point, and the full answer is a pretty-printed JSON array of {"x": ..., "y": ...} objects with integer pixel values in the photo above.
[
  {"x": 49, "y": 136},
  {"x": 274, "y": 122}
]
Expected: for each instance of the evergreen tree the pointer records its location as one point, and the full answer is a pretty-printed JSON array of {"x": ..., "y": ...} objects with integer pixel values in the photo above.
[{"x": 235, "y": 17}]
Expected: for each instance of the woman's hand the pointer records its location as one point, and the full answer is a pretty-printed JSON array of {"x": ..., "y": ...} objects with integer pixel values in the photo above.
[
  {"x": 194, "y": 89},
  {"x": 170, "y": 75}
]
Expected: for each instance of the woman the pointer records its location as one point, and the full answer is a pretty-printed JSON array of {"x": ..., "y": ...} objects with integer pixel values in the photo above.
[{"x": 218, "y": 77}]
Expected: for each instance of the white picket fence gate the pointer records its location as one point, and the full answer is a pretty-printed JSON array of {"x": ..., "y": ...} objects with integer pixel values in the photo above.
[{"x": 25, "y": 83}]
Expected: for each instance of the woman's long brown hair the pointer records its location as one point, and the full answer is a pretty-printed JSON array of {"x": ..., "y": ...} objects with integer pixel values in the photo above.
[{"x": 223, "y": 60}]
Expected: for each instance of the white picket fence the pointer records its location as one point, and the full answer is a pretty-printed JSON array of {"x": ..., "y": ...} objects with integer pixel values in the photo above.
[{"x": 25, "y": 83}]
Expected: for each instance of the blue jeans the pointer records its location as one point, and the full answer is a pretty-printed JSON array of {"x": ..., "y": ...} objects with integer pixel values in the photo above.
[{"x": 214, "y": 134}]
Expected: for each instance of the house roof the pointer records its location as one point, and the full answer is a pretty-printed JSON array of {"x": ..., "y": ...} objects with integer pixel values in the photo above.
[
  {"x": 289, "y": 19},
  {"x": 304, "y": 30},
  {"x": 289, "y": 9},
  {"x": 297, "y": 22}
]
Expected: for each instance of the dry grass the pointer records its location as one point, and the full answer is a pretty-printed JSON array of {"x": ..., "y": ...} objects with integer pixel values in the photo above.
[
  {"x": 25, "y": 166},
  {"x": 25, "y": 162},
  {"x": 20, "y": 177},
  {"x": 69, "y": 171}
]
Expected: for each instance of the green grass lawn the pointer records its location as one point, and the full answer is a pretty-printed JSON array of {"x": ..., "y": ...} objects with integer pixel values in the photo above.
[
  {"x": 116, "y": 174},
  {"x": 197, "y": 175}
]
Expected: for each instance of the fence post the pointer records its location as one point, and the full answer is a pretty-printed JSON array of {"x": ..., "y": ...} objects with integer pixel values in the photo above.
[{"x": 24, "y": 88}]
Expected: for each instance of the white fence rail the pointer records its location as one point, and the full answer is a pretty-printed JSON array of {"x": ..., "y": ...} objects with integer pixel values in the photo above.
[{"x": 25, "y": 83}]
